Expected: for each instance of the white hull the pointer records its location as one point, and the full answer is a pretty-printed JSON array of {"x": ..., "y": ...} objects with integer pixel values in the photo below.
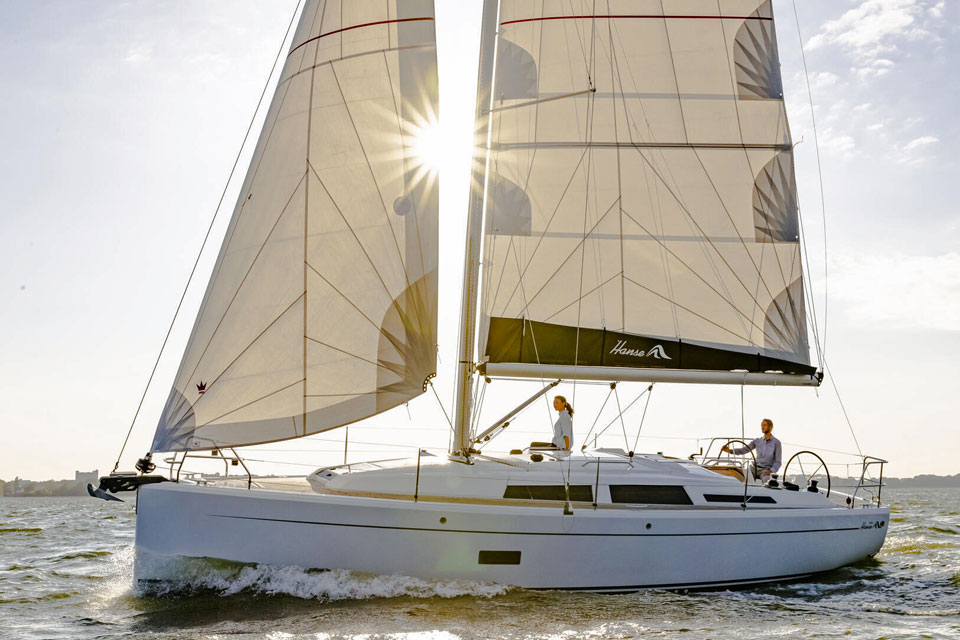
[{"x": 593, "y": 549}]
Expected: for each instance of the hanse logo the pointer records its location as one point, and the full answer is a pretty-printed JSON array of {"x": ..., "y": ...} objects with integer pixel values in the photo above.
[{"x": 655, "y": 351}]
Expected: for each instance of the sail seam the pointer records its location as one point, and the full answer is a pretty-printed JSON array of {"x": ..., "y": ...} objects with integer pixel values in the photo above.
[
  {"x": 244, "y": 406},
  {"x": 253, "y": 263},
  {"x": 253, "y": 342},
  {"x": 373, "y": 177},
  {"x": 687, "y": 309},
  {"x": 357, "y": 26},
  {"x": 355, "y": 237},
  {"x": 533, "y": 254},
  {"x": 702, "y": 279},
  {"x": 349, "y": 301},
  {"x": 347, "y": 353},
  {"x": 580, "y": 244}
]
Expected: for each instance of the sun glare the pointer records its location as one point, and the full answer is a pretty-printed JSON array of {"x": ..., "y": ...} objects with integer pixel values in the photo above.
[{"x": 428, "y": 145}]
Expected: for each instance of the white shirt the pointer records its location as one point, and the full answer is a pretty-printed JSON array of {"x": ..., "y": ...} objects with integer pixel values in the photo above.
[{"x": 563, "y": 427}]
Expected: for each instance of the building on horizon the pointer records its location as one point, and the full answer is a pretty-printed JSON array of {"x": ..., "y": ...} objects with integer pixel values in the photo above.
[{"x": 87, "y": 476}]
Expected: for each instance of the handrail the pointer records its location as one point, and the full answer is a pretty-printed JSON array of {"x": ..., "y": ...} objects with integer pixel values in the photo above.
[{"x": 866, "y": 483}]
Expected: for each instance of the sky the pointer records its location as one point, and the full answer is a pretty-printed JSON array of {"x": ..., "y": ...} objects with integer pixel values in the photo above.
[{"x": 120, "y": 122}]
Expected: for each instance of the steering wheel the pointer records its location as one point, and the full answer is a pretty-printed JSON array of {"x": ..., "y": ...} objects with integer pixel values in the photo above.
[{"x": 814, "y": 463}]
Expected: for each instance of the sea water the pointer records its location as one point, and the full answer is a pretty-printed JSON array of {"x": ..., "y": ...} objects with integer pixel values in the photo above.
[{"x": 66, "y": 572}]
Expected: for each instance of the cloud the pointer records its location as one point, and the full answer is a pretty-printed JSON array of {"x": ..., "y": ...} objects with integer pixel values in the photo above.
[
  {"x": 898, "y": 291},
  {"x": 141, "y": 52},
  {"x": 916, "y": 152},
  {"x": 873, "y": 30}
]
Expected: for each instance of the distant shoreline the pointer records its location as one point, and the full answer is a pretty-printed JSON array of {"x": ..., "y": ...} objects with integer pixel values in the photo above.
[{"x": 20, "y": 488}]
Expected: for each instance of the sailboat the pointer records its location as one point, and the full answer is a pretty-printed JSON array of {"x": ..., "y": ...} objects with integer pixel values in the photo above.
[{"x": 633, "y": 217}]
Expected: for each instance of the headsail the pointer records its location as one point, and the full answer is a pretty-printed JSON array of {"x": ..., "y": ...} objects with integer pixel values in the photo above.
[
  {"x": 641, "y": 208},
  {"x": 322, "y": 306}
]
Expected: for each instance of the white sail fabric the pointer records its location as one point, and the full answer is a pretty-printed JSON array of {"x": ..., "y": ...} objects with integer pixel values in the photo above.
[
  {"x": 641, "y": 189},
  {"x": 322, "y": 307}
]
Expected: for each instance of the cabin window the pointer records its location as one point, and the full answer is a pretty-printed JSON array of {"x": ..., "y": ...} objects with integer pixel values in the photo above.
[
  {"x": 499, "y": 557},
  {"x": 648, "y": 494},
  {"x": 723, "y": 497},
  {"x": 578, "y": 492}
]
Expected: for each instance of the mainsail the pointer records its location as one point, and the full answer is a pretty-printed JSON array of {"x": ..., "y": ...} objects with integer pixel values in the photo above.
[
  {"x": 641, "y": 208},
  {"x": 322, "y": 307}
]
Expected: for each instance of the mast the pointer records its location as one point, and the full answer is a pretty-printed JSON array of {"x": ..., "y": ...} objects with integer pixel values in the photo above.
[{"x": 471, "y": 268}]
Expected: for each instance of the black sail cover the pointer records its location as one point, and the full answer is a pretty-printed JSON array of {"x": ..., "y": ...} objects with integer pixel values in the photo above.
[
  {"x": 322, "y": 306},
  {"x": 641, "y": 205}
]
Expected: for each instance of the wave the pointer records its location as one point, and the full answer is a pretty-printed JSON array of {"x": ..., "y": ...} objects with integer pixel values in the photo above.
[
  {"x": 900, "y": 611},
  {"x": 83, "y": 554},
  {"x": 21, "y": 530},
  {"x": 188, "y": 576}
]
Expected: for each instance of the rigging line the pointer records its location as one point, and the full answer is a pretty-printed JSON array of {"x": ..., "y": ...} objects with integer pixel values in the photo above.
[
  {"x": 597, "y": 419},
  {"x": 623, "y": 426},
  {"x": 546, "y": 228},
  {"x": 702, "y": 279},
  {"x": 616, "y": 136},
  {"x": 657, "y": 209},
  {"x": 736, "y": 107},
  {"x": 533, "y": 338},
  {"x": 490, "y": 247},
  {"x": 653, "y": 168},
  {"x": 687, "y": 309},
  {"x": 823, "y": 206},
  {"x": 686, "y": 134},
  {"x": 306, "y": 225},
  {"x": 479, "y": 404},
  {"x": 576, "y": 29},
  {"x": 598, "y": 288},
  {"x": 643, "y": 417},
  {"x": 846, "y": 417},
  {"x": 536, "y": 110},
  {"x": 809, "y": 288},
  {"x": 376, "y": 184},
  {"x": 206, "y": 236},
  {"x": 590, "y": 115},
  {"x": 703, "y": 233},
  {"x": 359, "y": 243},
  {"x": 253, "y": 263},
  {"x": 540, "y": 101},
  {"x": 632, "y": 402},
  {"x": 743, "y": 419},
  {"x": 442, "y": 408},
  {"x": 567, "y": 258}
]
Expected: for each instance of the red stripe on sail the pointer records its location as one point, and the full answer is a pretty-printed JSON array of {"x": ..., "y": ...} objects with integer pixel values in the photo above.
[
  {"x": 636, "y": 17},
  {"x": 356, "y": 26}
]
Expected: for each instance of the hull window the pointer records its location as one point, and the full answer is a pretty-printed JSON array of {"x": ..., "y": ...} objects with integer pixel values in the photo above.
[
  {"x": 499, "y": 557},
  {"x": 578, "y": 492},
  {"x": 721, "y": 497},
  {"x": 648, "y": 494}
]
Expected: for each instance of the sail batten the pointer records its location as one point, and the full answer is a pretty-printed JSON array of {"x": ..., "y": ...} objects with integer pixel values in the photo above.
[
  {"x": 322, "y": 306},
  {"x": 649, "y": 168}
]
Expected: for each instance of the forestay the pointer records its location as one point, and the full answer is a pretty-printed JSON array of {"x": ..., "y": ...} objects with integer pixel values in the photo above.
[
  {"x": 322, "y": 307},
  {"x": 641, "y": 207}
]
